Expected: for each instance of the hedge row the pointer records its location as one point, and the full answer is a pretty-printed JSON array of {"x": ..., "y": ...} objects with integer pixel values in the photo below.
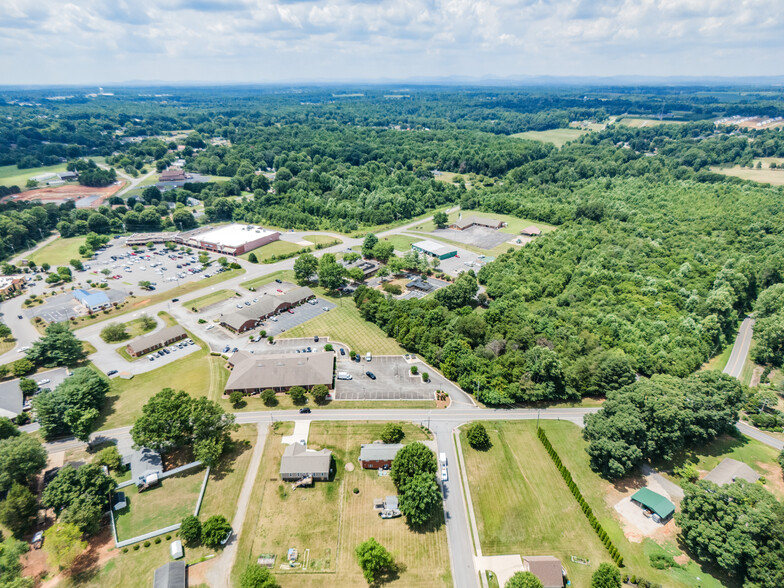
[{"x": 567, "y": 476}]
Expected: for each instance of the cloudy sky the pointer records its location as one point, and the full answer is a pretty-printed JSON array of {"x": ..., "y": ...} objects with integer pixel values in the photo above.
[{"x": 111, "y": 41}]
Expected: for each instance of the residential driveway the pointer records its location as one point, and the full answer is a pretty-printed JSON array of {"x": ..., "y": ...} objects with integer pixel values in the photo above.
[{"x": 300, "y": 435}]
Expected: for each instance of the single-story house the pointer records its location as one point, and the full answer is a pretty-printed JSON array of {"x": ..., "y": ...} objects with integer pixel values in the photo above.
[
  {"x": 661, "y": 506},
  {"x": 300, "y": 462},
  {"x": 439, "y": 250},
  {"x": 171, "y": 575},
  {"x": 730, "y": 470},
  {"x": 419, "y": 284},
  {"x": 249, "y": 317},
  {"x": 92, "y": 302},
  {"x": 376, "y": 456},
  {"x": 547, "y": 568},
  {"x": 477, "y": 221},
  {"x": 368, "y": 266},
  {"x": 172, "y": 174},
  {"x": 146, "y": 466},
  {"x": 251, "y": 374},
  {"x": 153, "y": 341},
  {"x": 531, "y": 231},
  {"x": 68, "y": 176}
]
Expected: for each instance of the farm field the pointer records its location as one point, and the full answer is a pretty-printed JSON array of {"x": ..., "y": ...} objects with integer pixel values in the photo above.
[
  {"x": 274, "y": 248},
  {"x": 344, "y": 324},
  {"x": 558, "y": 137},
  {"x": 765, "y": 175},
  {"x": 210, "y": 299},
  {"x": 523, "y": 505},
  {"x": 59, "y": 252},
  {"x": 329, "y": 520},
  {"x": 10, "y": 175},
  {"x": 646, "y": 122}
]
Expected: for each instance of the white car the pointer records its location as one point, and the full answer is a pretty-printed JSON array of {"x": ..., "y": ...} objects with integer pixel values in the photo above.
[
  {"x": 210, "y": 327},
  {"x": 43, "y": 382},
  {"x": 22, "y": 349},
  {"x": 444, "y": 475},
  {"x": 325, "y": 308}
]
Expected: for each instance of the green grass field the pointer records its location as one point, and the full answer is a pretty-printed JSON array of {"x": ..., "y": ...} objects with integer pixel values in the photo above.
[
  {"x": 523, "y": 505},
  {"x": 326, "y": 522},
  {"x": 10, "y": 175},
  {"x": 59, "y": 252},
  {"x": 211, "y": 298},
  {"x": 558, "y": 137},
  {"x": 274, "y": 248},
  {"x": 199, "y": 374},
  {"x": 321, "y": 239},
  {"x": 283, "y": 275},
  {"x": 161, "y": 506},
  {"x": 345, "y": 324},
  {"x": 646, "y": 122}
]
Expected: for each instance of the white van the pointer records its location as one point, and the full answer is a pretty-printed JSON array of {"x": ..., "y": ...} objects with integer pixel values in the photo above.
[
  {"x": 442, "y": 457},
  {"x": 368, "y": 356},
  {"x": 344, "y": 376}
]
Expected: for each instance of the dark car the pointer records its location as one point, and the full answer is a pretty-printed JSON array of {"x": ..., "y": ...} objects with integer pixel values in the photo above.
[
  {"x": 370, "y": 375},
  {"x": 19, "y": 316},
  {"x": 342, "y": 351},
  {"x": 111, "y": 373},
  {"x": 315, "y": 338},
  {"x": 356, "y": 358},
  {"x": 226, "y": 349},
  {"x": 166, "y": 351},
  {"x": 304, "y": 410},
  {"x": 279, "y": 281},
  {"x": 235, "y": 350},
  {"x": 175, "y": 299}
]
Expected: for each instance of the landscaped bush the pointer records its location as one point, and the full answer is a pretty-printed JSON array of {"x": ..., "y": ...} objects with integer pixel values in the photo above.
[
  {"x": 355, "y": 490},
  {"x": 157, "y": 540},
  {"x": 414, "y": 370},
  {"x": 147, "y": 543},
  {"x": 661, "y": 561},
  {"x": 125, "y": 550},
  {"x": 136, "y": 547}
]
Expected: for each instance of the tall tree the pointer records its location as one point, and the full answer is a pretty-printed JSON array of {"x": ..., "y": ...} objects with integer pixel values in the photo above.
[
  {"x": 375, "y": 560},
  {"x": 58, "y": 346},
  {"x": 21, "y": 458},
  {"x": 18, "y": 509},
  {"x": 606, "y": 576},
  {"x": 413, "y": 459},
  {"x": 305, "y": 267},
  {"x": 73, "y": 406},
  {"x": 63, "y": 544},
  {"x": 420, "y": 499},
  {"x": 523, "y": 580}
]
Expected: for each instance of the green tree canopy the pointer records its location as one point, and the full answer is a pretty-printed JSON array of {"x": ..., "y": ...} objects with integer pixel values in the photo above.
[
  {"x": 523, "y": 580},
  {"x": 21, "y": 458},
  {"x": 375, "y": 560},
  {"x": 73, "y": 406},
  {"x": 420, "y": 499},
  {"x": 305, "y": 267},
  {"x": 413, "y": 459},
  {"x": 606, "y": 576}
]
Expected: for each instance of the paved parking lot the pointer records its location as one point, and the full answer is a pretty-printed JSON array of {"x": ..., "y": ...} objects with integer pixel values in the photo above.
[
  {"x": 62, "y": 307},
  {"x": 481, "y": 237},
  {"x": 393, "y": 380},
  {"x": 464, "y": 261}
]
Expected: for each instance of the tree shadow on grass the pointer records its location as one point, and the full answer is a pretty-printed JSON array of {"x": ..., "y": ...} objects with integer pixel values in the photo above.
[
  {"x": 388, "y": 575},
  {"x": 232, "y": 453}
]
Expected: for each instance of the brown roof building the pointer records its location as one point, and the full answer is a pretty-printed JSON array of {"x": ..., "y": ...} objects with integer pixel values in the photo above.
[
  {"x": 172, "y": 174},
  {"x": 478, "y": 221},
  {"x": 249, "y": 317},
  {"x": 547, "y": 568},
  {"x": 531, "y": 231},
  {"x": 167, "y": 336},
  {"x": 250, "y": 374}
]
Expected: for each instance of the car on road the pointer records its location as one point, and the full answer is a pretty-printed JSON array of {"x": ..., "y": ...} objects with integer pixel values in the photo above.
[
  {"x": 444, "y": 475},
  {"x": 315, "y": 338},
  {"x": 274, "y": 319},
  {"x": 370, "y": 375},
  {"x": 43, "y": 382},
  {"x": 304, "y": 410},
  {"x": 235, "y": 350},
  {"x": 279, "y": 290},
  {"x": 22, "y": 349},
  {"x": 111, "y": 372},
  {"x": 291, "y": 311},
  {"x": 357, "y": 358},
  {"x": 175, "y": 299},
  {"x": 19, "y": 316},
  {"x": 279, "y": 282}
]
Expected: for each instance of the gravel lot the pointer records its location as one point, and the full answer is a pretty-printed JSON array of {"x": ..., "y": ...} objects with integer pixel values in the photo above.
[{"x": 481, "y": 237}]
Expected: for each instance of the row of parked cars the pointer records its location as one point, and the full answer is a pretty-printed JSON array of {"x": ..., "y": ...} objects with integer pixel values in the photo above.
[{"x": 170, "y": 348}]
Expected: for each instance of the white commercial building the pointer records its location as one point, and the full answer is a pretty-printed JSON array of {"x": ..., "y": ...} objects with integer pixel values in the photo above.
[{"x": 234, "y": 239}]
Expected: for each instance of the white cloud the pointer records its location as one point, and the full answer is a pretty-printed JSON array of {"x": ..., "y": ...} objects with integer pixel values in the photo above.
[{"x": 267, "y": 40}]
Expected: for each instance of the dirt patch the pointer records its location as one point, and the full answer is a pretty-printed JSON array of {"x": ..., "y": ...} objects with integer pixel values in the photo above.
[
  {"x": 756, "y": 375},
  {"x": 69, "y": 192},
  {"x": 773, "y": 478},
  {"x": 142, "y": 302},
  {"x": 177, "y": 458},
  {"x": 100, "y": 549},
  {"x": 349, "y": 467}
]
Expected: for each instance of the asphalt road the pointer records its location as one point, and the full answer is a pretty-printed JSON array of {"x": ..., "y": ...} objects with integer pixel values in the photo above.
[{"x": 740, "y": 350}]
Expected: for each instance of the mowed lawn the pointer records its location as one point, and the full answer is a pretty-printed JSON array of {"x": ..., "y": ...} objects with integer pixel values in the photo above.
[
  {"x": 322, "y": 239},
  {"x": 402, "y": 242},
  {"x": 282, "y": 275},
  {"x": 274, "y": 248},
  {"x": 10, "y": 175},
  {"x": 330, "y": 520},
  {"x": 344, "y": 324},
  {"x": 567, "y": 440},
  {"x": 135, "y": 568},
  {"x": 59, "y": 252},
  {"x": 211, "y": 298},
  {"x": 199, "y": 374},
  {"x": 558, "y": 137},
  {"x": 166, "y": 504},
  {"x": 522, "y": 504}
]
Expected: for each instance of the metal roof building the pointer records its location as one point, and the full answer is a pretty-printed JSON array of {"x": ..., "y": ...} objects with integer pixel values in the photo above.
[
  {"x": 279, "y": 371},
  {"x": 171, "y": 575},
  {"x": 439, "y": 250},
  {"x": 659, "y": 504}
]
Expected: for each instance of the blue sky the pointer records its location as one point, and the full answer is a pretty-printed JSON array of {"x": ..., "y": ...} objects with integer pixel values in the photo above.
[{"x": 110, "y": 41}]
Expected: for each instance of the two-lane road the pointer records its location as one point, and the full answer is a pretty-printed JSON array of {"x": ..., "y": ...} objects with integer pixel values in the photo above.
[{"x": 740, "y": 349}]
